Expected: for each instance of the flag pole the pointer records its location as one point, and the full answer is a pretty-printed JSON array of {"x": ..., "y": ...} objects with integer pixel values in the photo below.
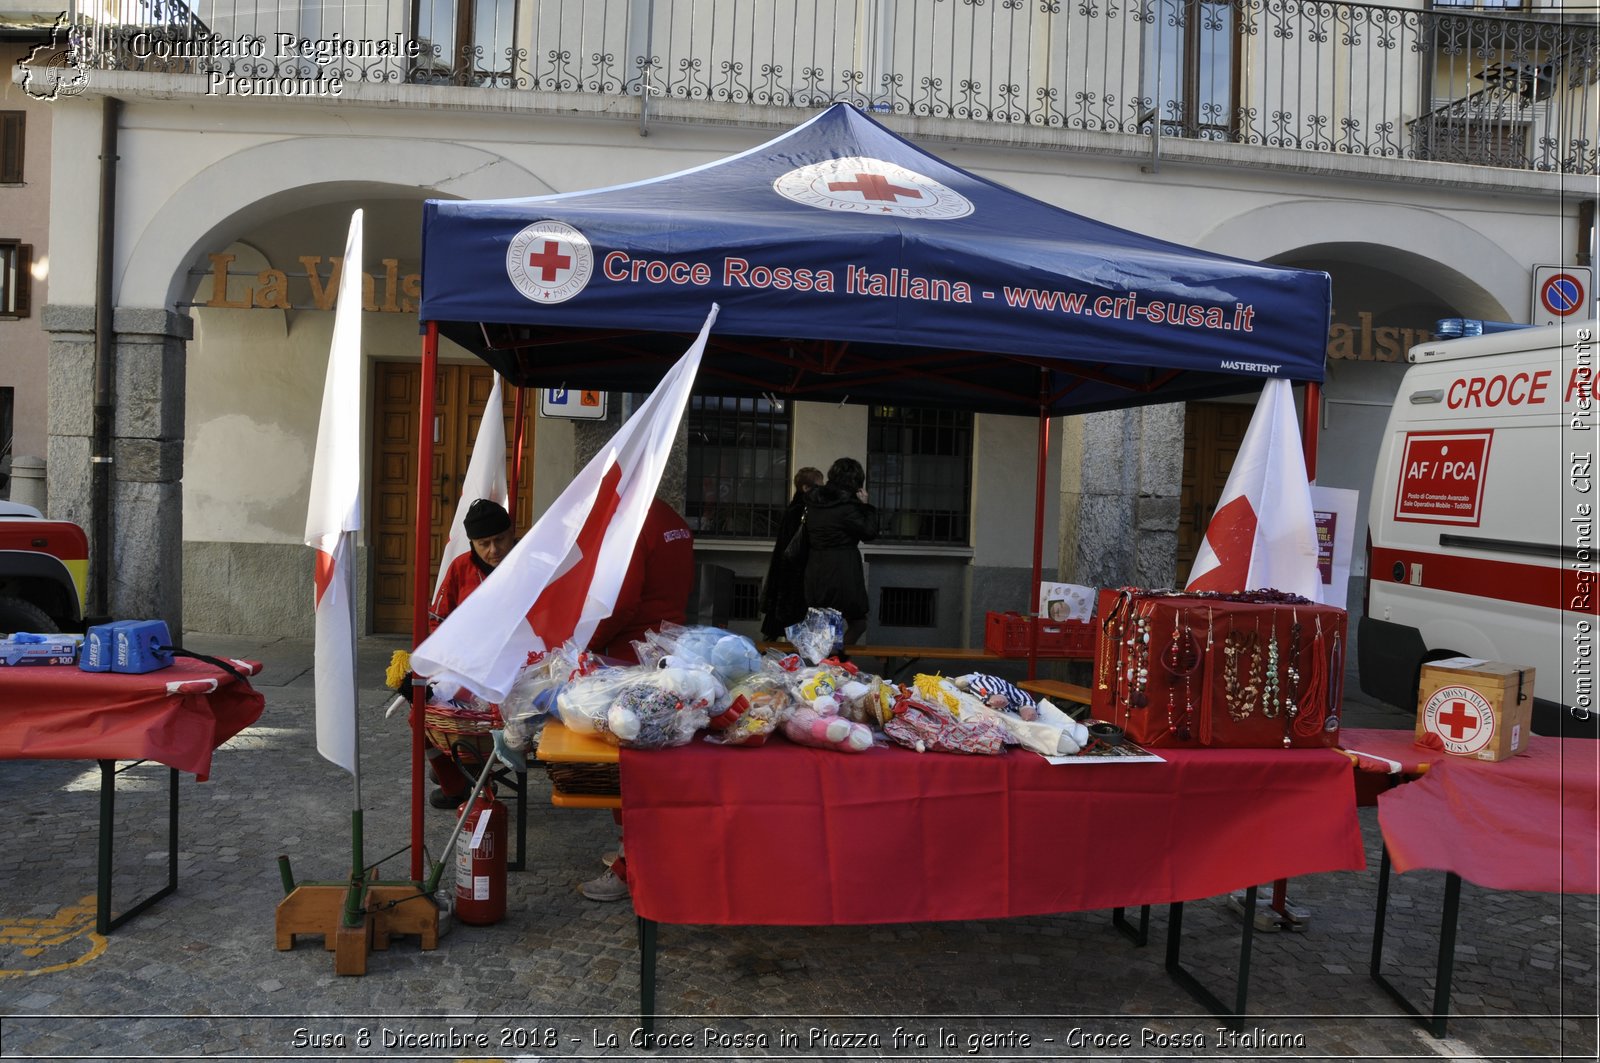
[{"x": 421, "y": 554}]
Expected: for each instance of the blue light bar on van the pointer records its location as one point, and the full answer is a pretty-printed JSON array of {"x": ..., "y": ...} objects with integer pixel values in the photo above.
[{"x": 1449, "y": 328}]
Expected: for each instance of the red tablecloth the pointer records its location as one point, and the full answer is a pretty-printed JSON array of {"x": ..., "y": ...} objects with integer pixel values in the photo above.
[
  {"x": 177, "y": 715},
  {"x": 788, "y": 835},
  {"x": 1530, "y": 822}
]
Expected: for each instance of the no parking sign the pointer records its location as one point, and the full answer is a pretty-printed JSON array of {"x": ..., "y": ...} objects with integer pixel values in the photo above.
[{"x": 1561, "y": 293}]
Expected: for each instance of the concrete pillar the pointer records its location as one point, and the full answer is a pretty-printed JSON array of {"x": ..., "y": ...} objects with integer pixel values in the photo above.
[
  {"x": 1121, "y": 481},
  {"x": 590, "y": 436},
  {"x": 146, "y": 519},
  {"x": 27, "y": 481}
]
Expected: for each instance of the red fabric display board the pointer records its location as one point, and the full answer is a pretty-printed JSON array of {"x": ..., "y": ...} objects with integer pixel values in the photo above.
[
  {"x": 788, "y": 835},
  {"x": 176, "y": 715},
  {"x": 1255, "y": 670},
  {"x": 1529, "y": 822}
]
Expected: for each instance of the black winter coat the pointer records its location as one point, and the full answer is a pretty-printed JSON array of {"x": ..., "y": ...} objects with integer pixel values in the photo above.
[
  {"x": 836, "y": 523},
  {"x": 783, "y": 595}
]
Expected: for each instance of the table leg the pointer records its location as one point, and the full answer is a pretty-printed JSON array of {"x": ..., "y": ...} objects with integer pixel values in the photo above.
[
  {"x": 647, "y": 975},
  {"x": 1181, "y": 975},
  {"x": 520, "y": 788},
  {"x": 104, "y": 923},
  {"x": 1139, "y": 935},
  {"x": 1434, "y": 1024}
]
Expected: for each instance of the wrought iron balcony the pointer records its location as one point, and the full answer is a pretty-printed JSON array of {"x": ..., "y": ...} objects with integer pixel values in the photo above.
[{"x": 1447, "y": 84}]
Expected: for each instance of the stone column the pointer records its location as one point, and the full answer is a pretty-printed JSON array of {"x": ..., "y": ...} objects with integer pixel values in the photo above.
[
  {"x": 1121, "y": 482},
  {"x": 146, "y": 518},
  {"x": 590, "y": 436}
]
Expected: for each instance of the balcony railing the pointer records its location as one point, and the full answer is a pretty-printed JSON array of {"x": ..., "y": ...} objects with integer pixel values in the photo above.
[{"x": 1451, "y": 85}]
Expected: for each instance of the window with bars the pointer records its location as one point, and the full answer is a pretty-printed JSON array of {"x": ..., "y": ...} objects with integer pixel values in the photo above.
[
  {"x": 738, "y": 467},
  {"x": 919, "y": 474},
  {"x": 908, "y": 607},
  {"x": 746, "y": 598}
]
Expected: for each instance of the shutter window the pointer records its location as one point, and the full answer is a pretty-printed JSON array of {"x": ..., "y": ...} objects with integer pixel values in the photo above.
[{"x": 13, "y": 126}]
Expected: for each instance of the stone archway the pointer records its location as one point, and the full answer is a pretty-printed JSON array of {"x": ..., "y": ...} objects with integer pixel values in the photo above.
[{"x": 150, "y": 331}]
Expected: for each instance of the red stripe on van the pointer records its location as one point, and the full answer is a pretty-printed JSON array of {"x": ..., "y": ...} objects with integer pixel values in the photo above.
[{"x": 1547, "y": 586}]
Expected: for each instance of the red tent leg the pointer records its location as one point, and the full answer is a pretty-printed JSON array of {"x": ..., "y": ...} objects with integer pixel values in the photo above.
[
  {"x": 1312, "y": 423},
  {"x": 421, "y": 557},
  {"x": 518, "y": 416}
]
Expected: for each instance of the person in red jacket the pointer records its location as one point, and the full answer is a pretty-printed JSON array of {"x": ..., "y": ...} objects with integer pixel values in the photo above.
[
  {"x": 655, "y": 590},
  {"x": 488, "y": 528}
]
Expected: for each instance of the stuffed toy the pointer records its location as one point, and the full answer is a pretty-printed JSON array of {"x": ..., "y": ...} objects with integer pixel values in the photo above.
[
  {"x": 809, "y": 727},
  {"x": 931, "y": 727},
  {"x": 757, "y": 705},
  {"x": 998, "y": 694}
]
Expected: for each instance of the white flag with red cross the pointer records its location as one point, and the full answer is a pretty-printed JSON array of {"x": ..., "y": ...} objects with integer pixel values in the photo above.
[
  {"x": 1264, "y": 532},
  {"x": 334, "y": 516},
  {"x": 485, "y": 478},
  {"x": 562, "y": 578}
]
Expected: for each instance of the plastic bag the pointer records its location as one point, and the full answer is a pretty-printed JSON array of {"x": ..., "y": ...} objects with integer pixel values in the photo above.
[
  {"x": 931, "y": 727},
  {"x": 808, "y": 727},
  {"x": 819, "y": 636},
  {"x": 730, "y": 656},
  {"x": 757, "y": 705}
]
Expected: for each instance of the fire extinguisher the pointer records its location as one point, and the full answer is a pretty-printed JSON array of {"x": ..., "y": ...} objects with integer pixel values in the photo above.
[{"x": 481, "y": 862}]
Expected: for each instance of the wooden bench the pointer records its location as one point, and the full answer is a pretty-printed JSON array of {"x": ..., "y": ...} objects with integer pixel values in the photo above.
[
  {"x": 1056, "y": 690},
  {"x": 558, "y": 745},
  {"x": 898, "y": 660}
]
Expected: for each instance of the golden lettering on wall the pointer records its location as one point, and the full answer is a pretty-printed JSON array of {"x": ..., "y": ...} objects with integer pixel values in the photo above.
[
  {"x": 399, "y": 293},
  {"x": 1363, "y": 343}
]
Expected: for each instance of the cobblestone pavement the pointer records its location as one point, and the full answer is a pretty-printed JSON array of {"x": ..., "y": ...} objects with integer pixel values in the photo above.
[{"x": 197, "y": 975}]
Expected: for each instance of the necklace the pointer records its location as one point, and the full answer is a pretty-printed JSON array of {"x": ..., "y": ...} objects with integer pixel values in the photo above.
[
  {"x": 1270, "y": 701},
  {"x": 1181, "y": 658},
  {"x": 1137, "y": 658},
  {"x": 1110, "y": 635},
  {"x": 1241, "y": 677}
]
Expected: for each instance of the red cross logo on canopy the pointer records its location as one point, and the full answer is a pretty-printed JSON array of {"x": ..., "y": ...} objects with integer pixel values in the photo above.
[
  {"x": 874, "y": 186},
  {"x": 549, "y": 262},
  {"x": 862, "y": 185}
]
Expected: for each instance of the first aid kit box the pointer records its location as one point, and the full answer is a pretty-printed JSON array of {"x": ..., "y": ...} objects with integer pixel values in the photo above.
[{"x": 1478, "y": 708}]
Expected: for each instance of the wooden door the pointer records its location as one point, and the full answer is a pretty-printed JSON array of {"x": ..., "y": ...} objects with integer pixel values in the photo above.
[
  {"x": 460, "y": 392},
  {"x": 1212, "y": 432}
]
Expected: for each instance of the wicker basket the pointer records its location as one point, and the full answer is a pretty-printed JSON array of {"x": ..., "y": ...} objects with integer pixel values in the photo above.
[
  {"x": 465, "y": 734},
  {"x": 603, "y": 780}
]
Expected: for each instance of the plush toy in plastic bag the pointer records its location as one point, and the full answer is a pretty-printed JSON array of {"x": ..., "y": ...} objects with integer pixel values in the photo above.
[
  {"x": 641, "y": 707},
  {"x": 758, "y": 704},
  {"x": 730, "y": 656},
  {"x": 930, "y": 727},
  {"x": 809, "y": 727},
  {"x": 819, "y": 636},
  {"x": 866, "y": 698}
]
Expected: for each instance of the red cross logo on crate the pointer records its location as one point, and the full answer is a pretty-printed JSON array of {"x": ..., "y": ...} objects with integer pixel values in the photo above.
[{"x": 1461, "y": 717}]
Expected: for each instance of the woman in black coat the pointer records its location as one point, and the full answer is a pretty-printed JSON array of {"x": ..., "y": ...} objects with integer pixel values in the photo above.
[
  {"x": 783, "y": 594},
  {"x": 838, "y": 520}
]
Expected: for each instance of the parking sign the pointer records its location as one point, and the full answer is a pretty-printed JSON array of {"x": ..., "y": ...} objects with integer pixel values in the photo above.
[
  {"x": 586, "y": 405},
  {"x": 1561, "y": 293}
]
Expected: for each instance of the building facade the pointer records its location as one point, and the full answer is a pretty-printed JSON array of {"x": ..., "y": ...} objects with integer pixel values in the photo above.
[{"x": 1427, "y": 159}]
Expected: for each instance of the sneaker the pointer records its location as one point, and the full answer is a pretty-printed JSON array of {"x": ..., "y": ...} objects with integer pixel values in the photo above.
[
  {"x": 608, "y": 887},
  {"x": 609, "y": 857},
  {"x": 439, "y": 799}
]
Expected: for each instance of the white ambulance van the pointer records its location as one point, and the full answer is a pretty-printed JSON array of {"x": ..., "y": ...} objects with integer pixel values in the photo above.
[{"x": 1481, "y": 529}]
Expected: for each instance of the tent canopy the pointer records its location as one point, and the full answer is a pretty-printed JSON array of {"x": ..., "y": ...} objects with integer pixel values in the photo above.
[{"x": 850, "y": 264}]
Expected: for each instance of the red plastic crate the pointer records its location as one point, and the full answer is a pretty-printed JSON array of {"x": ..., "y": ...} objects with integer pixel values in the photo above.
[{"x": 1008, "y": 634}]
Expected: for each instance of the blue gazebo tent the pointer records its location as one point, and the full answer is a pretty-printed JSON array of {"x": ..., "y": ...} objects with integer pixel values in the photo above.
[{"x": 850, "y": 265}]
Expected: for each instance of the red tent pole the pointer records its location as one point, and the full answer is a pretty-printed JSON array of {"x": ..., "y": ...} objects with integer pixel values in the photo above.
[
  {"x": 1038, "y": 526},
  {"x": 1312, "y": 423},
  {"x": 517, "y": 417},
  {"x": 422, "y": 555}
]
